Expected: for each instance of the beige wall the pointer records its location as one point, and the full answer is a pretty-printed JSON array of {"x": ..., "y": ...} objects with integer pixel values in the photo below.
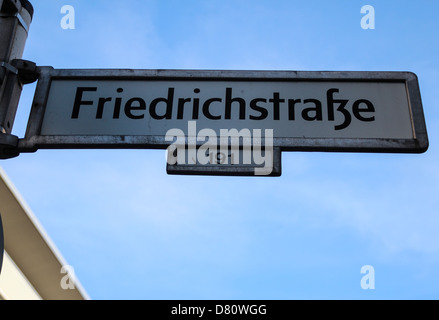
[
  {"x": 13, "y": 283},
  {"x": 33, "y": 266}
]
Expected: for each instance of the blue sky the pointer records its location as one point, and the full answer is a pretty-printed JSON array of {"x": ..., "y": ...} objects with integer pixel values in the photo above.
[{"x": 131, "y": 231}]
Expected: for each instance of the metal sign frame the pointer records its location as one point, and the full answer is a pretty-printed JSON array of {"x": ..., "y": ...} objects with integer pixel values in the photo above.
[
  {"x": 34, "y": 141},
  {"x": 228, "y": 169}
]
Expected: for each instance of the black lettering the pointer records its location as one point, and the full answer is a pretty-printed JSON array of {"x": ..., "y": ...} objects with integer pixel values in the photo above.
[
  {"x": 79, "y": 102},
  {"x": 180, "y": 107},
  {"x": 276, "y": 105},
  {"x": 369, "y": 108},
  {"x": 196, "y": 106},
  {"x": 229, "y": 101},
  {"x": 129, "y": 108},
  {"x": 347, "y": 115},
  {"x": 196, "y": 109},
  {"x": 168, "y": 101},
  {"x": 291, "y": 111},
  {"x": 206, "y": 110},
  {"x": 317, "y": 110},
  {"x": 100, "y": 110},
  {"x": 263, "y": 112},
  {"x": 330, "y": 100},
  {"x": 117, "y": 104}
]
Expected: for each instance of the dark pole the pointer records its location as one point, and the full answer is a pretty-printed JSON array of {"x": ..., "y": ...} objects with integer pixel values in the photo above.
[{"x": 15, "y": 19}]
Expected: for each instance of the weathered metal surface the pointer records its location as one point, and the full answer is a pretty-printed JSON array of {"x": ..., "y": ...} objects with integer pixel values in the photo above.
[{"x": 417, "y": 142}]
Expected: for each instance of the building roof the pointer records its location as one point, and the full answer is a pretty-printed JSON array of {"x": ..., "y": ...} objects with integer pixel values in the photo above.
[{"x": 30, "y": 248}]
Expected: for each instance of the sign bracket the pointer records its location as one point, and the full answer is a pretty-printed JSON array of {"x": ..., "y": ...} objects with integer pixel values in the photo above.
[
  {"x": 21, "y": 72},
  {"x": 15, "y": 20}
]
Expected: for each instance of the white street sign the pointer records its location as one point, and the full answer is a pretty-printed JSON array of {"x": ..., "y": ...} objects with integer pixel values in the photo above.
[{"x": 303, "y": 111}]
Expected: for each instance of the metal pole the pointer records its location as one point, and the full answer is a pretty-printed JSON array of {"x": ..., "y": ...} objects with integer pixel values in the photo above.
[{"x": 15, "y": 19}]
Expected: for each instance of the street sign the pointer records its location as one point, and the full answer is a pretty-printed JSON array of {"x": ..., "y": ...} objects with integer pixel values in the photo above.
[
  {"x": 294, "y": 111},
  {"x": 320, "y": 111}
]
